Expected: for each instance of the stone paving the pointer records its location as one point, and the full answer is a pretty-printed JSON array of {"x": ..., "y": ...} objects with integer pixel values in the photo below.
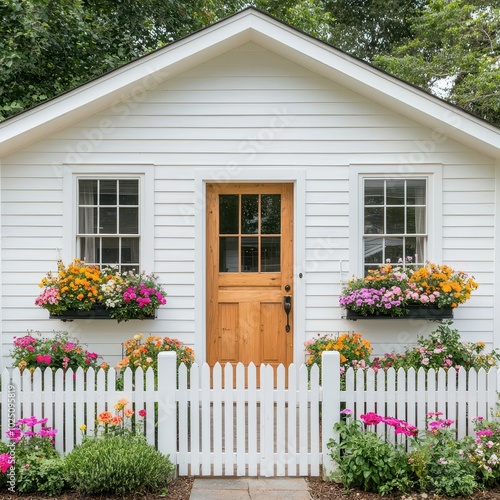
[{"x": 290, "y": 488}]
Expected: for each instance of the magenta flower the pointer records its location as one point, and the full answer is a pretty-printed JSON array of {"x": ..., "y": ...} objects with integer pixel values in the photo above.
[{"x": 371, "y": 418}]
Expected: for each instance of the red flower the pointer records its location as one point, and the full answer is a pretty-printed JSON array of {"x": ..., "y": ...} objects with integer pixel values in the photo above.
[{"x": 142, "y": 413}]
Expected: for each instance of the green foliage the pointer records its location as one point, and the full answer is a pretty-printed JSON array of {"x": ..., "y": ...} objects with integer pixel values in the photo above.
[
  {"x": 117, "y": 465},
  {"x": 442, "y": 349},
  {"x": 454, "y": 53},
  {"x": 365, "y": 28},
  {"x": 43, "y": 475},
  {"x": 366, "y": 461},
  {"x": 440, "y": 462}
]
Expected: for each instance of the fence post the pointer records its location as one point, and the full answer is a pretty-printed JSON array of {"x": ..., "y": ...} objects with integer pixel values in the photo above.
[
  {"x": 167, "y": 405},
  {"x": 330, "y": 381}
]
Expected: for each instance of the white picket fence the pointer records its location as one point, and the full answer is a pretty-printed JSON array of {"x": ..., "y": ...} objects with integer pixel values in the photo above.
[{"x": 221, "y": 422}]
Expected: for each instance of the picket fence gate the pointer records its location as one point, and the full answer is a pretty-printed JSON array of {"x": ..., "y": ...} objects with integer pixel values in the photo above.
[{"x": 219, "y": 422}]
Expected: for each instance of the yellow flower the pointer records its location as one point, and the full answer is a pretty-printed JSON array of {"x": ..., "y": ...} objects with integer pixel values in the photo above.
[
  {"x": 83, "y": 427},
  {"x": 122, "y": 402}
]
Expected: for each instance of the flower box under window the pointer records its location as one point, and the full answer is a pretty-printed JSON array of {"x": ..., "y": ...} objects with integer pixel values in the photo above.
[{"x": 429, "y": 312}]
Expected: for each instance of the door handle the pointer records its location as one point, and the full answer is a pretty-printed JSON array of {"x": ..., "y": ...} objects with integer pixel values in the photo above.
[{"x": 287, "y": 305}]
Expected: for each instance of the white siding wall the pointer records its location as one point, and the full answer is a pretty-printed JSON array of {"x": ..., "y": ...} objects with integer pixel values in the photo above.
[{"x": 247, "y": 108}]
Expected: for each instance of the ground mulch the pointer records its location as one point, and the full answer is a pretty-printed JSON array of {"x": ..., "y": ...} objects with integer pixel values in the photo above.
[{"x": 180, "y": 489}]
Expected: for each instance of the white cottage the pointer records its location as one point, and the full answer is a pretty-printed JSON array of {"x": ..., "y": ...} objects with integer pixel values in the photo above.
[{"x": 242, "y": 155}]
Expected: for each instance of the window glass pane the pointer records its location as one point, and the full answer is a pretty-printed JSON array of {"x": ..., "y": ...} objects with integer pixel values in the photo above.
[
  {"x": 270, "y": 214},
  {"x": 228, "y": 255},
  {"x": 107, "y": 220},
  {"x": 395, "y": 220},
  {"x": 394, "y": 249},
  {"x": 87, "y": 192},
  {"x": 110, "y": 251},
  {"x": 410, "y": 248},
  {"x": 228, "y": 213},
  {"x": 374, "y": 220},
  {"x": 129, "y": 192},
  {"x": 87, "y": 220},
  {"x": 89, "y": 250},
  {"x": 415, "y": 192},
  {"x": 374, "y": 248},
  {"x": 374, "y": 192},
  {"x": 129, "y": 221},
  {"x": 415, "y": 220},
  {"x": 270, "y": 255},
  {"x": 249, "y": 255},
  {"x": 107, "y": 192},
  {"x": 130, "y": 251},
  {"x": 249, "y": 213},
  {"x": 395, "y": 192}
]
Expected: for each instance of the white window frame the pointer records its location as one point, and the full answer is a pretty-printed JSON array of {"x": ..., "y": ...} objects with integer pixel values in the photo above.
[
  {"x": 432, "y": 173},
  {"x": 144, "y": 173}
]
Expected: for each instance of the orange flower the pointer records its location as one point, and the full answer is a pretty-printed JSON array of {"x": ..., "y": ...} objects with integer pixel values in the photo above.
[
  {"x": 105, "y": 417},
  {"x": 128, "y": 412}
]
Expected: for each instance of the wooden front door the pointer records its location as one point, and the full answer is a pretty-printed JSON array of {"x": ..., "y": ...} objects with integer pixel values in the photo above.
[{"x": 249, "y": 273}]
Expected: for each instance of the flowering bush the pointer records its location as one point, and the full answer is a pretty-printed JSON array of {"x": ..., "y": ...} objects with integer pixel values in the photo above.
[
  {"x": 145, "y": 354},
  {"x": 485, "y": 452},
  {"x": 442, "y": 349},
  {"x": 437, "y": 462},
  {"x": 34, "y": 351},
  {"x": 390, "y": 290},
  {"x": 354, "y": 350},
  {"x": 38, "y": 466},
  {"x": 82, "y": 287}
]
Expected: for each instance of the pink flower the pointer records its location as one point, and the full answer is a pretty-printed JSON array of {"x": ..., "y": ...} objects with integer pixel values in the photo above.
[
  {"x": 142, "y": 413},
  {"x": 346, "y": 412},
  {"x": 371, "y": 418},
  {"x": 5, "y": 462}
]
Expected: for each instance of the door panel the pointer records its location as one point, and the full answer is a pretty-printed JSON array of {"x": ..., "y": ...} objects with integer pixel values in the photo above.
[{"x": 249, "y": 263}]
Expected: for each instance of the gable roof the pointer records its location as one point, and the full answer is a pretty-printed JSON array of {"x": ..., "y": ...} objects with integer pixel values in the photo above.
[{"x": 249, "y": 25}]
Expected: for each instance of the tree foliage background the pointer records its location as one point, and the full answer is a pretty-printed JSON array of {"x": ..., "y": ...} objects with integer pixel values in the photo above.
[{"x": 447, "y": 47}]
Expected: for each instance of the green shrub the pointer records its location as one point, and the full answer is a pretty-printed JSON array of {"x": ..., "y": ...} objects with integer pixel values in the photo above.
[
  {"x": 366, "y": 461},
  {"x": 440, "y": 462},
  {"x": 117, "y": 465},
  {"x": 41, "y": 475}
]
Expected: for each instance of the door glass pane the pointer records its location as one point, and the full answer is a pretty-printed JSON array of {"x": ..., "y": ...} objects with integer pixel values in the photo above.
[
  {"x": 374, "y": 220},
  {"x": 129, "y": 221},
  {"x": 107, "y": 220},
  {"x": 395, "y": 220},
  {"x": 270, "y": 255},
  {"x": 107, "y": 193},
  {"x": 270, "y": 214},
  {"x": 395, "y": 192},
  {"x": 249, "y": 255},
  {"x": 228, "y": 213},
  {"x": 249, "y": 213},
  {"x": 228, "y": 255}
]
